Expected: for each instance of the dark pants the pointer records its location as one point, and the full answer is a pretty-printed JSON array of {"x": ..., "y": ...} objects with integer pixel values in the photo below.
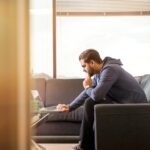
[{"x": 87, "y": 127}]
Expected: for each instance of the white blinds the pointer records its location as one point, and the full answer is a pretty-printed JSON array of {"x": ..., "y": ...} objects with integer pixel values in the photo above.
[{"x": 102, "y": 5}]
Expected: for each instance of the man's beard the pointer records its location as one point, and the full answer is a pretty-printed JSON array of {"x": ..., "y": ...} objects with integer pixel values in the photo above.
[{"x": 90, "y": 72}]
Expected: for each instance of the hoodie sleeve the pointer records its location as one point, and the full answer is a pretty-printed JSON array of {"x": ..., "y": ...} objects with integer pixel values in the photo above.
[
  {"x": 107, "y": 78},
  {"x": 78, "y": 101}
]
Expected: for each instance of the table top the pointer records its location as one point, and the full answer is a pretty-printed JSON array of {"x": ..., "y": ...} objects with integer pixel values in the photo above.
[
  {"x": 42, "y": 114},
  {"x": 37, "y": 118}
]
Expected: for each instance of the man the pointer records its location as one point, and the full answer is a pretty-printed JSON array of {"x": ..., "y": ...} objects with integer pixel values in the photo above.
[{"x": 106, "y": 82}]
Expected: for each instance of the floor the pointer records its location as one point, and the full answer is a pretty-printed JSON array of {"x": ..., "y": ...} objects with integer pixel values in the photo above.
[{"x": 58, "y": 146}]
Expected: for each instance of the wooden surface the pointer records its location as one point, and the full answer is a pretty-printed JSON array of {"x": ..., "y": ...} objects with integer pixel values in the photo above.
[{"x": 58, "y": 146}]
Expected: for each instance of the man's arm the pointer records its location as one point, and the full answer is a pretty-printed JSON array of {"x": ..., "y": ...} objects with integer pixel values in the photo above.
[
  {"x": 78, "y": 101},
  {"x": 108, "y": 78}
]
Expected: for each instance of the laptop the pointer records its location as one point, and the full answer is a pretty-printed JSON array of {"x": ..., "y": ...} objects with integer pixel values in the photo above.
[
  {"x": 50, "y": 109},
  {"x": 36, "y": 97}
]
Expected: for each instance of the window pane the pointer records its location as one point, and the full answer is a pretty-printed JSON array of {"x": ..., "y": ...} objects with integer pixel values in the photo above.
[
  {"x": 124, "y": 37},
  {"x": 41, "y": 36}
]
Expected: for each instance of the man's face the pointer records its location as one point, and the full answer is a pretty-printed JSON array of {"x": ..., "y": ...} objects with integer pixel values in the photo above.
[{"x": 87, "y": 67}]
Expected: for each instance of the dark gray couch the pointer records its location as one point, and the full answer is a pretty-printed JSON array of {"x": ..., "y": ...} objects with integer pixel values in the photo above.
[
  {"x": 65, "y": 127},
  {"x": 59, "y": 127},
  {"x": 124, "y": 126}
]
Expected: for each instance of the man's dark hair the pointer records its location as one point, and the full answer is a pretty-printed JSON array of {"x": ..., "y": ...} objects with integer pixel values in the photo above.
[{"x": 90, "y": 54}]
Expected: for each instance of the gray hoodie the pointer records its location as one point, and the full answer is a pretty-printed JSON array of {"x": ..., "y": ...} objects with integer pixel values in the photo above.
[{"x": 112, "y": 85}]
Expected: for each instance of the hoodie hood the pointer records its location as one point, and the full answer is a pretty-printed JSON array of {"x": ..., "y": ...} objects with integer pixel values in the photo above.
[{"x": 109, "y": 60}]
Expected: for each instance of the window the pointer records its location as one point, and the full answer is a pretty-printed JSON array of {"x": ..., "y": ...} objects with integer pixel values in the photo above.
[
  {"x": 41, "y": 46},
  {"x": 123, "y": 37},
  {"x": 119, "y": 29}
]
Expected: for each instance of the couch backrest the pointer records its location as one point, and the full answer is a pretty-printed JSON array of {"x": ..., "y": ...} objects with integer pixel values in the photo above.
[
  {"x": 62, "y": 90},
  {"x": 145, "y": 84},
  {"x": 54, "y": 91}
]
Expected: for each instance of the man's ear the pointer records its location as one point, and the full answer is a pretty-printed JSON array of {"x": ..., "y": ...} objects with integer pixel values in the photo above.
[{"x": 92, "y": 62}]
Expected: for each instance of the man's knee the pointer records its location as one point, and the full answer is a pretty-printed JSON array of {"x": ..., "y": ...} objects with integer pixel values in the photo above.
[{"x": 89, "y": 103}]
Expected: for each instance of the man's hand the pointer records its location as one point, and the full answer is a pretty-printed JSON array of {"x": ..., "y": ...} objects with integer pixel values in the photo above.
[
  {"x": 87, "y": 82},
  {"x": 63, "y": 107}
]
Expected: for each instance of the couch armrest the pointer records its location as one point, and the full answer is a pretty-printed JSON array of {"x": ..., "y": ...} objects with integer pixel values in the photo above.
[{"x": 122, "y": 126}]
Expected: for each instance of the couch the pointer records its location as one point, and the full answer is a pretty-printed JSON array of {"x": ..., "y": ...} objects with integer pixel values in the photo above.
[
  {"x": 59, "y": 127},
  {"x": 111, "y": 120},
  {"x": 124, "y": 126}
]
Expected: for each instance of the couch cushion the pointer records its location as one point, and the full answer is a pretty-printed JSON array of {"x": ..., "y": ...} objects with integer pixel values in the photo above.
[
  {"x": 145, "y": 84},
  {"x": 74, "y": 116},
  {"x": 62, "y": 90},
  {"x": 54, "y": 129}
]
